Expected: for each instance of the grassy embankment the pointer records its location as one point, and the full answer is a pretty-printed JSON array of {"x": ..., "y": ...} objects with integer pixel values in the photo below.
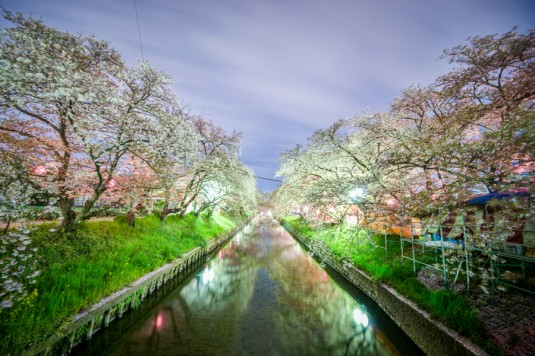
[
  {"x": 450, "y": 308},
  {"x": 100, "y": 258}
]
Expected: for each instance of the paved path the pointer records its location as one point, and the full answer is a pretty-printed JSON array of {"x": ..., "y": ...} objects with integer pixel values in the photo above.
[
  {"x": 39, "y": 222},
  {"x": 510, "y": 320}
]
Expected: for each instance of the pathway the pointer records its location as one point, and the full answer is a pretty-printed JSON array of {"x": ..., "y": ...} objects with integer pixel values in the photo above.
[{"x": 39, "y": 222}]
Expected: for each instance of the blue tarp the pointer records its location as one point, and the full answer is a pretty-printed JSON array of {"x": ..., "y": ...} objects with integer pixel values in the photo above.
[{"x": 485, "y": 199}]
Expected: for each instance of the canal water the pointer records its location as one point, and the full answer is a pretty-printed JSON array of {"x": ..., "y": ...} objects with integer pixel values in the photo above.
[{"x": 261, "y": 294}]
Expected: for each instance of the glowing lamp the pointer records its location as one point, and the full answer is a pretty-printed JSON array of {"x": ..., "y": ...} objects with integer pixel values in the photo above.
[
  {"x": 112, "y": 183},
  {"x": 391, "y": 202},
  {"x": 356, "y": 194},
  {"x": 39, "y": 170}
]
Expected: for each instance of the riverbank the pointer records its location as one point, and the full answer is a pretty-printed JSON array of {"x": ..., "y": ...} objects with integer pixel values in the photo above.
[
  {"x": 260, "y": 294},
  {"x": 79, "y": 270},
  {"x": 509, "y": 319},
  {"x": 390, "y": 283}
]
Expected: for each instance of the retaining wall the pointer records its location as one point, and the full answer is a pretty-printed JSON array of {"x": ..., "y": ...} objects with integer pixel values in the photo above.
[
  {"x": 430, "y": 335},
  {"x": 99, "y": 316}
]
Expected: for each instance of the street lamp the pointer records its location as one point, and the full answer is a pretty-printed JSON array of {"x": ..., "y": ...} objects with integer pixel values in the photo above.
[
  {"x": 356, "y": 194},
  {"x": 40, "y": 170}
]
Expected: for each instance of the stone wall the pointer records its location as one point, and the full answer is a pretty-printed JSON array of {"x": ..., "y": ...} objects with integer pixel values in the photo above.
[
  {"x": 101, "y": 314},
  {"x": 430, "y": 335}
]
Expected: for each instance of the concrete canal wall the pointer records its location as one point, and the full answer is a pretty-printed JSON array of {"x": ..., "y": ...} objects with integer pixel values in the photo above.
[
  {"x": 100, "y": 315},
  {"x": 430, "y": 335}
]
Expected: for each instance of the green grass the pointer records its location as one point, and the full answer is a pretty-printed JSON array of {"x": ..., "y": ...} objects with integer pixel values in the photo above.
[
  {"x": 100, "y": 258},
  {"x": 450, "y": 308}
]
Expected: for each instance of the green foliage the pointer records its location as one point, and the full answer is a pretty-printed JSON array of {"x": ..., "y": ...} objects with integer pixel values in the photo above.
[
  {"x": 450, "y": 308},
  {"x": 298, "y": 224},
  {"x": 102, "y": 257},
  {"x": 121, "y": 219}
]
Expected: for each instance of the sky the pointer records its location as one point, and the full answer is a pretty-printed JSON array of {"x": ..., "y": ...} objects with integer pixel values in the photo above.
[{"x": 279, "y": 70}]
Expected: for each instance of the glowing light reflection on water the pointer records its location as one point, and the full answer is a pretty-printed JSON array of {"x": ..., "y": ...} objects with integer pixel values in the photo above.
[{"x": 261, "y": 294}]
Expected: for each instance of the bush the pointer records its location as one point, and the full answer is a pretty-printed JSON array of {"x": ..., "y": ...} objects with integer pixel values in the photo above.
[{"x": 121, "y": 219}]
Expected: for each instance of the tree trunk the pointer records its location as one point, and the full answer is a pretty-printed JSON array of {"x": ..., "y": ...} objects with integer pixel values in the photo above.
[
  {"x": 184, "y": 204},
  {"x": 65, "y": 205},
  {"x": 131, "y": 218},
  {"x": 74, "y": 223},
  {"x": 165, "y": 211},
  {"x": 202, "y": 208},
  {"x": 7, "y": 225}
]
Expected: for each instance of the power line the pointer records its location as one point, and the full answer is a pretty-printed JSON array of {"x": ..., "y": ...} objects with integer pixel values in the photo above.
[
  {"x": 139, "y": 33},
  {"x": 143, "y": 59},
  {"x": 275, "y": 180}
]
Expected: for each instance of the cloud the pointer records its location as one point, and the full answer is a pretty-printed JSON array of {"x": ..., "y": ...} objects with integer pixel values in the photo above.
[{"x": 279, "y": 70}]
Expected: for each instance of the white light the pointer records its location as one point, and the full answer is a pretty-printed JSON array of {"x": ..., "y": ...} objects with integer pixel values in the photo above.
[
  {"x": 360, "y": 318},
  {"x": 365, "y": 320},
  {"x": 212, "y": 190},
  {"x": 356, "y": 193},
  {"x": 208, "y": 275},
  {"x": 391, "y": 202}
]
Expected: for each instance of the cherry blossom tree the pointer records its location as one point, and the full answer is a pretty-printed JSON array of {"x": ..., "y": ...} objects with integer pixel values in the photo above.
[
  {"x": 496, "y": 77},
  {"x": 73, "y": 98},
  {"x": 18, "y": 267},
  {"x": 471, "y": 131},
  {"x": 233, "y": 188},
  {"x": 47, "y": 79},
  {"x": 171, "y": 153},
  {"x": 348, "y": 155},
  {"x": 132, "y": 188},
  {"x": 215, "y": 147}
]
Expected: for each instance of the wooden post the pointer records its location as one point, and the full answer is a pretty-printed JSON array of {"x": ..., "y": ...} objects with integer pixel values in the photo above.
[
  {"x": 106, "y": 319},
  {"x": 133, "y": 302},
  {"x": 142, "y": 295},
  {"x": 89, "y": 334},
  {"x": 120, "y": 310},
  {"x": 71, "y": 340}
]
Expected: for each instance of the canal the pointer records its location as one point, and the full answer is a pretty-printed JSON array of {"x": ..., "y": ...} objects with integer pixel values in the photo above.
[{"x": 261, "y": 294}]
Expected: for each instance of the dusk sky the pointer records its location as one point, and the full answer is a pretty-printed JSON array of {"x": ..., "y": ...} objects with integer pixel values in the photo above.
[{"x": 279, "y": 70}]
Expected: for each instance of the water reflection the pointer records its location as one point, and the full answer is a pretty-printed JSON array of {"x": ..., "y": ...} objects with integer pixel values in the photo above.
[{"x": 261, "y": 294}]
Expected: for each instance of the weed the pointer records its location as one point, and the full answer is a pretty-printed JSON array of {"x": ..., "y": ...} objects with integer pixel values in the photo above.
[
  {"x": 450, "y": 308},
  {"x": 100, "y": 258}
]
